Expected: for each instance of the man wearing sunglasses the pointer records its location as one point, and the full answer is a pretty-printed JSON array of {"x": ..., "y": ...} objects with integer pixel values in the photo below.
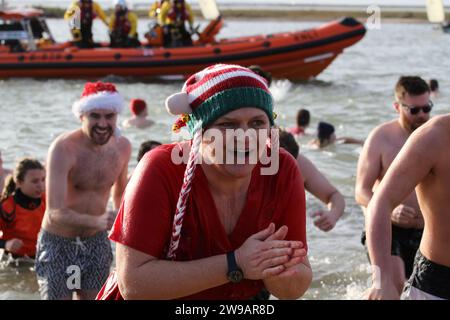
[
  {"x": 423, "y": 165},
  {"x": 413, "y": 105}
]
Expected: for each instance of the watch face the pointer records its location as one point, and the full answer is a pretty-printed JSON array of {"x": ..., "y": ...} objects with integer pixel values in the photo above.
[{"x": 235, "y": 276}]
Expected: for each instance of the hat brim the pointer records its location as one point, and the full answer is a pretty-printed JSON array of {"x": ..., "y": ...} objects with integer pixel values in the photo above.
[{"x": 111, "y": 101}]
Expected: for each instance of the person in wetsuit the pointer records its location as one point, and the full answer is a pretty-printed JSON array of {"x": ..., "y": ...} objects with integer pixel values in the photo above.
[
  {"x": 123, "y": 26},
  {"x": 173, "y": 17},
  {"x": 82, "y": 13},
  {"x": 22, "y": 208}
]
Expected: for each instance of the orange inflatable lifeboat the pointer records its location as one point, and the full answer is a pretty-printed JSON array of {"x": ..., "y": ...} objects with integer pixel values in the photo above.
[{"x": 27, "y": 49}]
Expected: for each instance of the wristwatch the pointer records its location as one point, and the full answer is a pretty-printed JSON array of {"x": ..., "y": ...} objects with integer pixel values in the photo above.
[{"x": 235, "y": 274}]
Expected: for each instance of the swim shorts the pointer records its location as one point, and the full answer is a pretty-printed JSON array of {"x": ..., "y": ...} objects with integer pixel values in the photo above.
[
  {"x": 64, "y": 265},
  {"x": 429, "y": 281}
]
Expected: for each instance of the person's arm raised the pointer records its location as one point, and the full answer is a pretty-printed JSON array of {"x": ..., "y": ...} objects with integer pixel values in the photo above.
[
  {"x": 142, "y": 276},
  {"x": 70, "y": 12},
  {"x": 59, "y": 162},
  {"x": 101, "y": 14},
  {"x": 369, "y": 168},
  {"x": 163, "y": 12},
  {"x": 412, "y": 164}
]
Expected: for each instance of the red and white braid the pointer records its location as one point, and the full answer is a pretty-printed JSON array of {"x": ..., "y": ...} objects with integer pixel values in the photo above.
[{"x": 184, "y": 194}]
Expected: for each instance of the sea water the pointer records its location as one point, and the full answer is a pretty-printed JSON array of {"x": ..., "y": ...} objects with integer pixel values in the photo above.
[{"x": 355, "y": 94}]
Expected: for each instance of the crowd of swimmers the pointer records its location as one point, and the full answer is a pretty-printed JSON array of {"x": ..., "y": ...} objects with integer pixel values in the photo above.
[
  {"x": 169, "y": 29},
  {"x": 206, "y": 230}
]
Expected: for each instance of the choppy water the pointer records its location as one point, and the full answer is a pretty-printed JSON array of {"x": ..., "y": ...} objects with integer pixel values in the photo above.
[{"x": 355, "y": 94}]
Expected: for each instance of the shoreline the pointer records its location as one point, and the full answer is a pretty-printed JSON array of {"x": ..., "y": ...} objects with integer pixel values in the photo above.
[{"x": 298, "y": 13}]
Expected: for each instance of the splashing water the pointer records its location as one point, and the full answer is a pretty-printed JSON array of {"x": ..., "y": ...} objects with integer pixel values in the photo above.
[{"x": 280, "y": 89}]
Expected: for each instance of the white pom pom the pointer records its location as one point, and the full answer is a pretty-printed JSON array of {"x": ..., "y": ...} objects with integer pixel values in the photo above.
[{"x": 178, "y": 103}]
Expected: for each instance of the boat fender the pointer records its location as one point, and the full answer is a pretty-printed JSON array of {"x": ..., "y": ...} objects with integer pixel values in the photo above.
[{"x": 178, "y": 103}]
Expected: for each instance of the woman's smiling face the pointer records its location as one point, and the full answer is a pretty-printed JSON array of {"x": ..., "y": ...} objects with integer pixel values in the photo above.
[{"x": 236, "y": 140}]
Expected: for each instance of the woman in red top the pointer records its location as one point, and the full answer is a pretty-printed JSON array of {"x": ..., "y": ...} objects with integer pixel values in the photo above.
[
  {"x": 210, "y": 229},
  {"x": 22, "y": 208}
]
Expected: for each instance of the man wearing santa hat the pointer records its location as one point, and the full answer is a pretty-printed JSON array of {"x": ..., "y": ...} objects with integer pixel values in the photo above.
[{"x": 84, "y": 167}]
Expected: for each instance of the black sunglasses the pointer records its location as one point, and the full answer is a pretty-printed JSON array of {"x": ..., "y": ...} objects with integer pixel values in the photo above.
[{"x": 415, "y": 110}]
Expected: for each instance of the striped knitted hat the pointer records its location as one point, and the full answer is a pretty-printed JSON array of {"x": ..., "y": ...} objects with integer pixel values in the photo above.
[
  {"x": 206, "y": 96},
  {"x": 217, "y": 90}
]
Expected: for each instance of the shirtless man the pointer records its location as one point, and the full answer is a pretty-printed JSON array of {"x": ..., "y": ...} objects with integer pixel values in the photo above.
[
  {"x": 423, "y": 164},
  {"x": 85, "y": 166},
  {"x": 413, "y": 105}
]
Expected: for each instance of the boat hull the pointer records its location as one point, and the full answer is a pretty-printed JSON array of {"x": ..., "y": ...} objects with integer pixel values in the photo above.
[{"x": 294, "y": 55}]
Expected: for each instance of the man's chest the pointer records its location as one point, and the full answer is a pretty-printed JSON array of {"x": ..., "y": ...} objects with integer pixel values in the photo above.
[{"x": 95, "y": 171}]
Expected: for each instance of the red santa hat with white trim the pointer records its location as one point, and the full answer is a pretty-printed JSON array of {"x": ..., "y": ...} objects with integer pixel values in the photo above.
[{"x": 98, "y": 96}]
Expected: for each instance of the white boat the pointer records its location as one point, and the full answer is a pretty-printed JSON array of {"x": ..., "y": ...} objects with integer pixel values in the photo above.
[{"x": 436, "y": 14}]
